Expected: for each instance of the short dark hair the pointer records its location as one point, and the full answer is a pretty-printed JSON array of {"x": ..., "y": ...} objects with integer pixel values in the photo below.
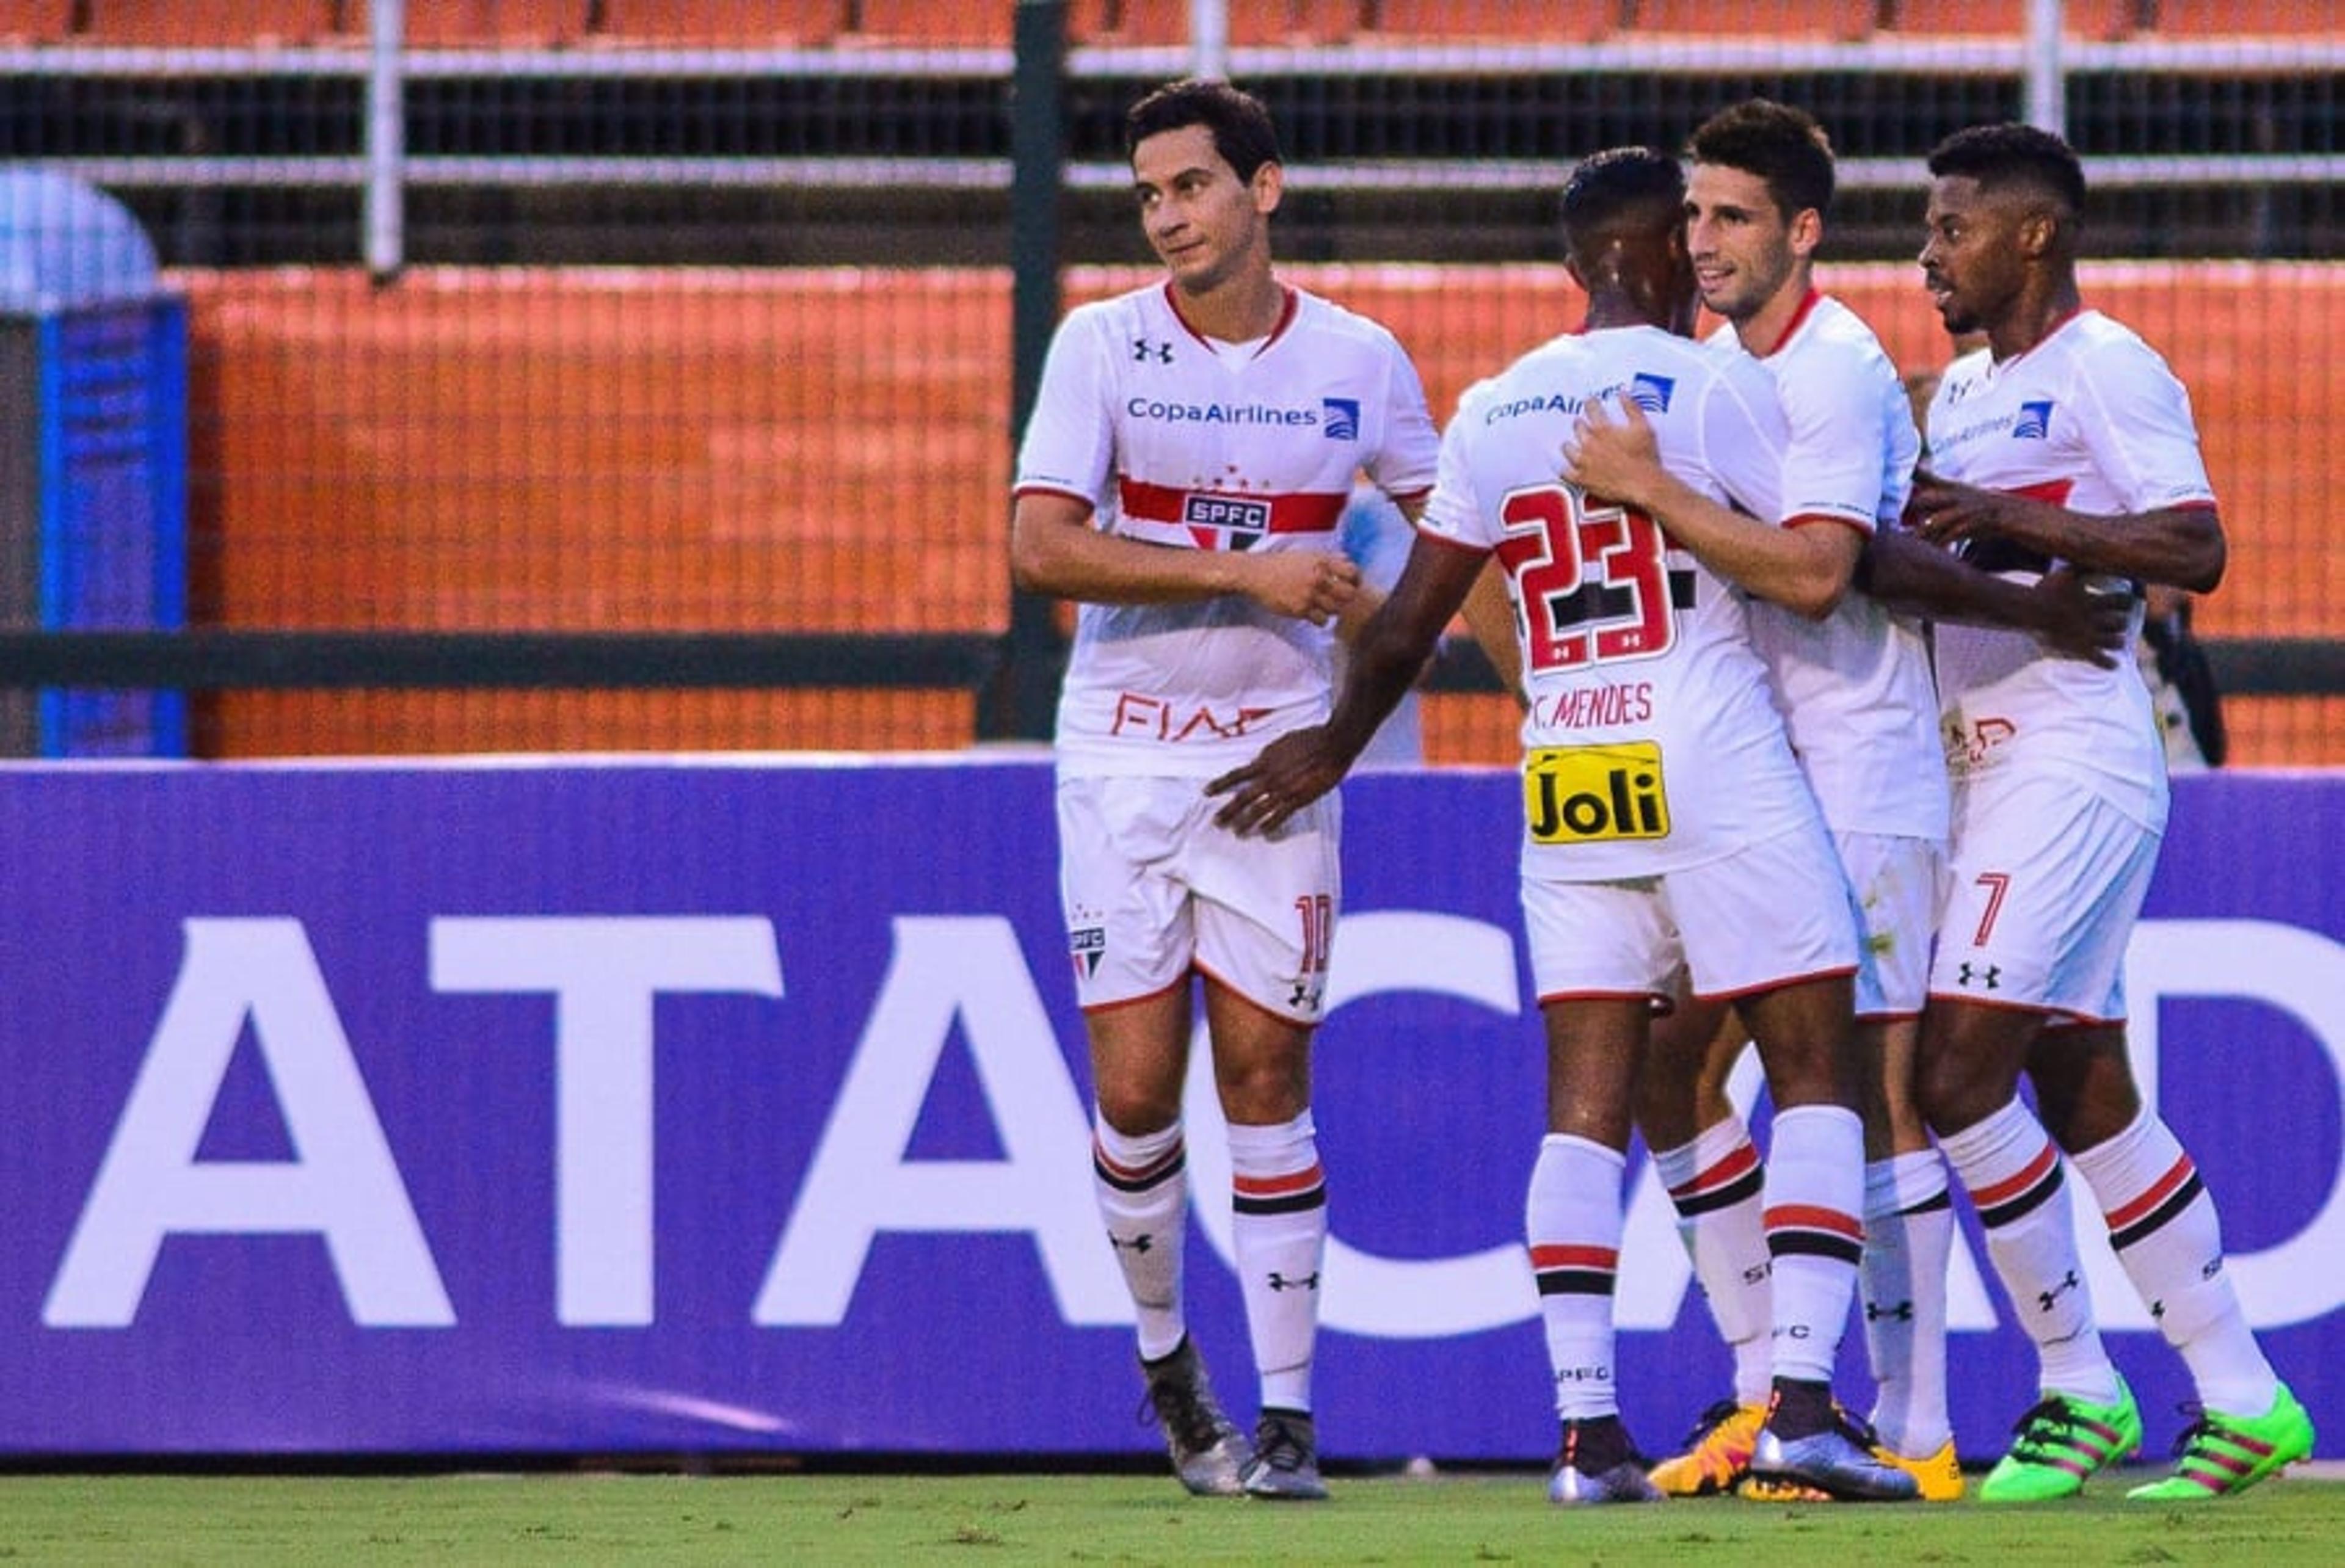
[
  {"x": 1783, "y": 145},
  {"x": 1619, "y": 188},
  {"x": 2008, "y": 154},
  {"x": 1241, "y": 126}
]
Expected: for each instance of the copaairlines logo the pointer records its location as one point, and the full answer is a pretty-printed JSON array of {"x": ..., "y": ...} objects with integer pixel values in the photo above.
[{"x": 1171, "y": 413}]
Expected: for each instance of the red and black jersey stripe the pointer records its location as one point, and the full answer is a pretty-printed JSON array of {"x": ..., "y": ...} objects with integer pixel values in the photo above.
[
  {"x": 1139, "y": 1179},
  {"x": 1811, "y": 1231},
  {"x": 2007, "y": 1201},
  {"x": 2167, "y": 1196},
  {"x": 1734, "y": 1178},
  {"x": 1290, "y": 1194},
  {"x": 1563, "y": 1269}
]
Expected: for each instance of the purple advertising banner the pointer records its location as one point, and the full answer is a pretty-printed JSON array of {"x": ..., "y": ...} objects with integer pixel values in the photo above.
[{"x": 729, "y": 1105}]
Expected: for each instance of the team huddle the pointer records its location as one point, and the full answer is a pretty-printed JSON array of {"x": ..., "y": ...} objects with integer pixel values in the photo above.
[{"x": 1828, "y": 746}]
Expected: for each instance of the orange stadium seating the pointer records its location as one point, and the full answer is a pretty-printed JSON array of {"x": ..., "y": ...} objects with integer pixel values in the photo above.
[
  {"x": 36, "y": 21},
  {"x": 2247, "y": 18},
  {"x": 1835, "y": 19},
  {"x": 487, "y": 23},
  {"x": 717, "y": 24},
  {"x": 203, "y": 23},
  {"x": 1295, "y": 22},
  {"x": 828, "y": 451},
  {"x": 2007, "y": 18},
  {"x": 1488, "y": 21}
]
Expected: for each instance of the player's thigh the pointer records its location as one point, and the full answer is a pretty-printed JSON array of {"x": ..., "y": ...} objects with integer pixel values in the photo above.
[
  {"x": 1772, "y": 913},
  {"x": 1897, "y": 883},
  {"x": 1264, "y": 907},
  {"x": 1129, "y": 927},
  {"x": 1601, "y": 940},
  {"x": 2045, "y": 883}
]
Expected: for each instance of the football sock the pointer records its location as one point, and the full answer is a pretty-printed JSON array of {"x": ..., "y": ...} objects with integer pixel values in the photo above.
[
  {"x": 2163, "y": 1224},
  {"x": 1815, "y": 1190},
  {"x": 1278, "y": 1227},
  {"x": 1142, "y": 1187},
  {"x": 1909, "y": 1235},
  {"x": 1572, "y": 1220},
  {"x": 1716, "y": 1183},
  {"x": 2012, "y": 1172}
]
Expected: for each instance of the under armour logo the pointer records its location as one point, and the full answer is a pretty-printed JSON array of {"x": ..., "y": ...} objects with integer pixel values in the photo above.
[
  {"x": 1143, "y": 351},
  {"x": 1304, "y": 997},
  {"x": 1987, "y": 976},
  {"x": 2067, "y": 1284},
  {"x": 1140, "y": 1243},
  {"x": 1279, "y": 1281},
  {"x": 2157, "y": 1311},
  {"x": 1902, "y": 1312}
]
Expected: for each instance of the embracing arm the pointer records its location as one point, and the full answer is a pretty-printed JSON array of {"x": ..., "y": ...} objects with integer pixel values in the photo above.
[
  {"x": 2059, "y": 610},
  {"x": 2179, "y": 546},
  {"x": 1299, "y": 767},
  {"x": 1804, "y": 569}
]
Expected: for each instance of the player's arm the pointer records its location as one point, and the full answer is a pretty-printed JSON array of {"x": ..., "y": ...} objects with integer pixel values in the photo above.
[
  {"x": 2059, "y": 610},
  {"x": 1490, "y": 615},
  {"x": 2181, "y": 546},
  {"x": 1805, "y": 569},
  {"x": 1055, "y": 549},
  {"x": 1299, "y": 767}
]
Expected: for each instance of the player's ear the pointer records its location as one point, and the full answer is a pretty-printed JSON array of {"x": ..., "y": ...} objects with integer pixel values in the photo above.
[{"x": 1269, "y": 187}]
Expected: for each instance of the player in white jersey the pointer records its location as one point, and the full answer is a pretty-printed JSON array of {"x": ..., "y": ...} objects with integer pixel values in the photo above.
[
  {"x": 1192, "y": 450},
  {"x": 1667, "y": 826},
  {"x": 1855, "y": 691},
  {"x": 2065, "y": 438}
]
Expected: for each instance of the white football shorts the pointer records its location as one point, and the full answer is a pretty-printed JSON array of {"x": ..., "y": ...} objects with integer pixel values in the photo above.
[
  {"x": 1152, "y": 888},
  {"x": 1772, "y": 914},
  {"x": 1895, "y": 881},
  {"x": 2043, "y": 884}
]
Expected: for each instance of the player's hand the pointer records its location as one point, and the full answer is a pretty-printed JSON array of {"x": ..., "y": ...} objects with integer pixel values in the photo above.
[
  {"x": 1311, "y": 585},
  {"x": 2077, "y": 622},
  {"x": 1612, "y": 458},
  {"x": 1944, "y": 511},
  {"x": 1288, "y": 774}
]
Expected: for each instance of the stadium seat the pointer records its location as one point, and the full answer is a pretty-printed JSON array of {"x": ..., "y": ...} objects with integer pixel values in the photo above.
[
  {"x": 1254, "y": 23},
  {"x": 2007, "y": 18},
  {"x": 36, "y": 21},
  {"x": 2246, "y": 19},
  {"x": 1745, "y": 19},
  {"x": 1131, "y": 23},
  {"x": 490, "y": 23},
  {"x": 926, "y": 25},
  {"x": 200, "y": 24},
  {"x": 1488, "y": 21},
  {"x": 717, "y": 24}
]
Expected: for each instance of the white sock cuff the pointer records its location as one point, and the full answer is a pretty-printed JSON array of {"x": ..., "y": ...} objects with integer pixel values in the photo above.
[
  {"x": 1713, "y": 1143},
  {"x": 1903, "y": 1181},
  {"x": 1135, "y": 1152},
  {"x": 1588, "y": 1146},
  {"x": 2013, "y": 1131},
  {"x": 1274, "y": 1150}
]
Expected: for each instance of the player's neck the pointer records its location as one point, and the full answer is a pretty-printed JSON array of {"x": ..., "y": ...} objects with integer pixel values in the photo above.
[
  {"x": 2035, "y": 316},
  {"x": 1763, "y": 331},
  {"x": 1244, "y": 308}
]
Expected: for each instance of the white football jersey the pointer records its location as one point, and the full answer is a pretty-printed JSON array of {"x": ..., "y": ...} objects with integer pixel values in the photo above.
[
  {"x": 1177, "y": 445},
  {"x": 1856, "y": 686},
  {"x": 1651, "y": 740},
  {"x": 2090, "y": 418}
]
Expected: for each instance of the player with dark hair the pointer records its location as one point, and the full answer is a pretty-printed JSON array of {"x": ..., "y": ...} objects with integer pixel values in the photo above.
[
  {"x": 1666, "y": 827},
  {"x": 2065, "y": 440},
  {"x": 1193, "y": 449},
  {"x": 1855, "y": 689}
]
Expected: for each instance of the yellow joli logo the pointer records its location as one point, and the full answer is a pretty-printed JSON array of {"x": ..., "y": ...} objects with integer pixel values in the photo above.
[{"x": 1583, "y": 795}]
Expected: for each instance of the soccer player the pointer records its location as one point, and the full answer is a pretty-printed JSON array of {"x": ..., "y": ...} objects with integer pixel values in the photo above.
[
  {"x": 1857, "y": 697},
  {"x": 1666, "y": 821},
  {"x": 1192, "y": 447},
  {"x": 2066, "y": 438}
]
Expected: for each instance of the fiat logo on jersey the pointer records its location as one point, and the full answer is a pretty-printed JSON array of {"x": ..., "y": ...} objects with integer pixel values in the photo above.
[{"x": 1231, "y": 514}]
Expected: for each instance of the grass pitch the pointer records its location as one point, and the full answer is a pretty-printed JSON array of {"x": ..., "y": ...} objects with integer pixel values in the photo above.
[{"x": 823, "y": 1519}]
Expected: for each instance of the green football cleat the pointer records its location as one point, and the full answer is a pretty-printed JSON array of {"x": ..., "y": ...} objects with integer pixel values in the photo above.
[
  {"x": 2063, "y": 1442},
  {"x": 2222, "y": 1455}
]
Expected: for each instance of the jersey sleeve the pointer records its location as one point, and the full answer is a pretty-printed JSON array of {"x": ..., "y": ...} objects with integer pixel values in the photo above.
[
  {"x": 1744, "y": 440},
  {"x": 1838, "y": 427},
  {"x": 1069, "y": 443},
  {"x": 2141, "y": 435},
  {"x": 1453, "y": 514},
  {"x": 1407, "y": 465}
]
